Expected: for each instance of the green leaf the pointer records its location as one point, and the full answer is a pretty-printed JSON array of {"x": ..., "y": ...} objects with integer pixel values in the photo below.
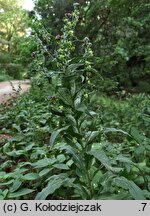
[
  {"x": 44, "y": 162},
  {"x": 69, "y": 163},
  {"x": 147, "y": 194},
  {"x": 77, "y": 102},
  {"x": 56, "y": 133},
  {"x": 71, "y": 120},
  {"x": 1, "y": 197},
  {"x": 15, "y": 186},
  {"x": 73, "y": 89},
  {"x": 73, "y": 67},
  {"x": 102, "y": 157},
  {"x": 136, "y": 135},
  {"x": 120, "y": 196},
  {"x": 82, "y": 192},
  {"x": 123, "y": 159},
  {"x": 61, "y": 158},
  {"x": 44, "y": 172},
  {"x": 57, "y": 112},
  {"x": 7, "y": 183},
  {"x": 20, "y": 193},
  {"x": 97, "y": 176},
  {"x": 4, "y": 194},
  {"x": 108, "y": 130},
  {"x": 82, "y": 108},
  {"x": 17, "y": 127},
  {"x": 15, "y": 153},
  {"x": 2, "y": 174},
  {"x": 42, "y": 121},
  {"x": 30, "y": 176},
  {"x": 61, "y": 166},
  {"x": 134, "y": 190},
  {"x": 91, "y": 135},
  {"x": 54, "y": 183},
  {"x": 116, "y": 169},
  {"x": 76, "y": 157}
]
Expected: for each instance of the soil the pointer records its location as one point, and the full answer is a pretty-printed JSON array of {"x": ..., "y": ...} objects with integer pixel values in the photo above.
[{"x": 4, "y": 138}]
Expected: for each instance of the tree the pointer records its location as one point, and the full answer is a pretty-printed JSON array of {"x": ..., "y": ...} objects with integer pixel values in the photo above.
[
  {"x": 117, "y": 29},
  {"x": 12, "y": 23}
]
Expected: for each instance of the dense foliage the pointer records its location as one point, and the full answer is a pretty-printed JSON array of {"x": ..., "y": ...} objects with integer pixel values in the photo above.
[
  {"x": 13, "y": 35},
  {"x": 67, "y": 140},
  {"x": 119, "y": 33}
]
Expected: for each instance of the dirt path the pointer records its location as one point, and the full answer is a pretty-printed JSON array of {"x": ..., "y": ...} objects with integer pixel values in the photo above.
[{"x": 6, "y": 90}]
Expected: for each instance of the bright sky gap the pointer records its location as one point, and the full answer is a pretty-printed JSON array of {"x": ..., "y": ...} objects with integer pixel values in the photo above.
[{"x": 28, "y": 4}]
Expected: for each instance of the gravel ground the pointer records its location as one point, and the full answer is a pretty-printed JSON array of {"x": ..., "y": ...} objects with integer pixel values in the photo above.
[{"x": 7, "y": 91}]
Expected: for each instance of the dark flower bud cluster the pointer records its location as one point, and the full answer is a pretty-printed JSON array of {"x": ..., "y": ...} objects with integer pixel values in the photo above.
[
  {"x": 33, "y": 54},
  {"x": 68, "y": 15}
]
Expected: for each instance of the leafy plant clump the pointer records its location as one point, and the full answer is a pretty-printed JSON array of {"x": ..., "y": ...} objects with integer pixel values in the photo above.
[{"x": 59, "y": 148}]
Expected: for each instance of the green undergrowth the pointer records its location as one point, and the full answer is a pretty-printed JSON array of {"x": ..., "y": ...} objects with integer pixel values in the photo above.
[
  {"x": 119, "y": 157},
  {"x": 67, "y": 140}
]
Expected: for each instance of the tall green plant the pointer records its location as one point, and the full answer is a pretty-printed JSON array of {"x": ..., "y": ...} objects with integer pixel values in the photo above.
[
  {"x": 93, "y": 174},
  {"x": 78, "y": 162}
]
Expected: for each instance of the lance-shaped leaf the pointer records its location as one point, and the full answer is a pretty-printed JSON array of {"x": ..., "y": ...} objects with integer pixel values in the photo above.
[
  {"x": 134, "y": 190},
  {"x": 20, "y": 193},
  {"x": 102, "y": 157},
  {"x": 56, "y": 133}
]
